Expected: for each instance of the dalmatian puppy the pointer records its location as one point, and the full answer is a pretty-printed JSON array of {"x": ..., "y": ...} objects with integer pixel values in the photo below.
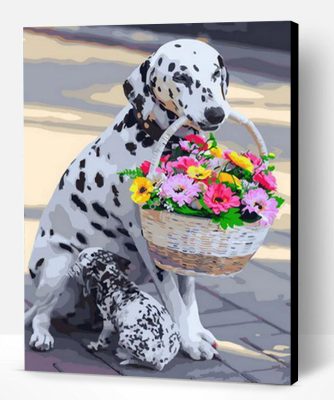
[
  {"x": 91, "y": 206},
  {"x": 147, "y": 334}
]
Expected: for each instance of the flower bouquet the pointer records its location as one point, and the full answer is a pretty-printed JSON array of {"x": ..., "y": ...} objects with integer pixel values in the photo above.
[{"x": 205, "y": 209}]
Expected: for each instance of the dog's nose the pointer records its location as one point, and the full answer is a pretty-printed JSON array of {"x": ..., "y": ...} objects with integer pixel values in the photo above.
[{"x": 214, "y": 115}]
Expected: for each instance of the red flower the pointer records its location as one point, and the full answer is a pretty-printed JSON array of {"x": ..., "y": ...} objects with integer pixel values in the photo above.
[
  {"x": 267, "y": 181},
  {"x": 165, "y": 158},
  {"x": 145, "y": 167},
  {"x": 197, "y": 139}
]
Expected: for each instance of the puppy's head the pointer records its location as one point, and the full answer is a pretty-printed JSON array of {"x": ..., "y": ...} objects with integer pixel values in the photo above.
[{"x": 187, "y": 77}]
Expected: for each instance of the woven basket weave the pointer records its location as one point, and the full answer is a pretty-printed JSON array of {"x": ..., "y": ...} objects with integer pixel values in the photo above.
[
  {"x": 189, "y": 245},
  {"x": 193, "y": 245}
]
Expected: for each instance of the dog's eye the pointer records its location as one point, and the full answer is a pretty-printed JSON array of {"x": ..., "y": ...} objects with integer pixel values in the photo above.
[{"x": 181, "y": 78}]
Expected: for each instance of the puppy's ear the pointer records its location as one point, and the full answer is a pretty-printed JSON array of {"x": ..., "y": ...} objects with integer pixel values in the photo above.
[
  {"x": 225, "y": 75},
  {"x": 138, "y": 88}
]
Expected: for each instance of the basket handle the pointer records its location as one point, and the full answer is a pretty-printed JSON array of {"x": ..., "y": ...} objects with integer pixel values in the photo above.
[{"x": 171, "y": 130}]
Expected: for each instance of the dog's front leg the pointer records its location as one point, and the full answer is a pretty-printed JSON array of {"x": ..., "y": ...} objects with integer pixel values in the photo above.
[{"x": 198, "y": 332}]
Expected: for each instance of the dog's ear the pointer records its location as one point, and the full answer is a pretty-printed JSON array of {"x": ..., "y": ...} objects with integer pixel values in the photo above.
[
  {"x": 137, "y": 88},
  {"x": 225, "y": 75}
]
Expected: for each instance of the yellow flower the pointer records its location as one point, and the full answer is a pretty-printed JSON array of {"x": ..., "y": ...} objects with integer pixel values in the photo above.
[
  {"x": 198, "y": 172},
  {"x": 216, "y": 152},
  {"x": 229, "y": 178},
  {"x": 142, "y": 189},
  {"x": 241, "y": 161}
]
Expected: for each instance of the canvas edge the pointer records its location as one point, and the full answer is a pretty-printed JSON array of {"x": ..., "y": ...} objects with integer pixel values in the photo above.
[{"x": 294, "y": 200}]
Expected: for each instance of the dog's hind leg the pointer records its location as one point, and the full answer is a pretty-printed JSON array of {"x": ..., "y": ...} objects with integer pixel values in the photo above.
[{"x": 51, "y": 285}]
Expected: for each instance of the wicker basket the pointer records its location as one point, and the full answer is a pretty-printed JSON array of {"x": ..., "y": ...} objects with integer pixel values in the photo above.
[{"x": 189, "y": 245}]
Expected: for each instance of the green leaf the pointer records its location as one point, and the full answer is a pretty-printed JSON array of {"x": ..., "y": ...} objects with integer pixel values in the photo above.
[
  {"x": 131, "y": 173},
  {"x": 231, "y": 218},
  {"x": 213, "y": 141},
  {"x": 279, "y": 200}
]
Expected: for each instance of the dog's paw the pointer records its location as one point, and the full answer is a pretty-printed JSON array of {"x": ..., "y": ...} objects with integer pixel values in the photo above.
[
  {"x": 41, "y": 340},
  {"x": 199, "y": 345}
]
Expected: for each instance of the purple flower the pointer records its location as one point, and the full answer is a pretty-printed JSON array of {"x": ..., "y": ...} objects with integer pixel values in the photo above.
[
  {"x": 258, "y": 201},
  {"x": 180, "y": 188}
]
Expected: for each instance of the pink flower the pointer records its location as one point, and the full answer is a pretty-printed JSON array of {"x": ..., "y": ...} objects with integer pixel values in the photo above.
[
  {"x": 145, "y": 167},
  {"x": 256, "y": 161},
  {"x": 220, "y": 198},
  {"x": 184, "y": 163},
  {"x": 258, "y": 201},
  {"x": 180, "y": 188},
  {"x": 268, "y": 181}
]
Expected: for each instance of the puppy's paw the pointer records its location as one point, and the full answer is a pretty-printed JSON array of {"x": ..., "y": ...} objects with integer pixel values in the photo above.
[
  {"x": 41, "y": 340},
  {"x": 96, "y": 346}
]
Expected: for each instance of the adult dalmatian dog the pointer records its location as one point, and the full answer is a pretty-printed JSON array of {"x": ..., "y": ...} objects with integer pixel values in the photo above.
[{"x": 91, "y": 207}]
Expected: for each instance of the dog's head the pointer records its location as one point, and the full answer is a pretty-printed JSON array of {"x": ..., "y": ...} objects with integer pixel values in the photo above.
[{"x": 186, "y": 77}]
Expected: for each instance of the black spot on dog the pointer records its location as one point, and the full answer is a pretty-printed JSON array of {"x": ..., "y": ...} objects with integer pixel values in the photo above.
[
  {"x": 121, "y": 178},
  {"x": 227, "y": 79},
  {"x": 204, "y": 90},
  {"x": 159, "y": 89},
  {"x": 130, "y": 118},
  {"x": 118, "y": 127},
  {"x": 78, "y": 202},
  {"x": 123, "y": 232},
  {"x": 115, "y": 190},
  {"x": 203, "y": 98},
  {"x": 82, "y": 163},
  {"x": 128, "y": 88},
  {"x": 89, "y": 188},
  {"x": 39, "y": 263},
  {"x": 116, "y": 202},
  {"x": 198, "y": 84},
  {"x": 139, "y": 102},
  {"x": 66, "y": 247},
  {"x": 183, "y": 68},
  {"x": 80, "y": 182},
  {"x": 194, "y": 52},
  {"x": 177, "y": 45},
  {"x": 180, "y": 102},
  {"x": 100, "y": 210},
  {"x": 130, "y": 246},
  {"x": 196, "y": 68},
  {"x": 42, "y": 232},
  {"x": 32, "y": 274},
  {"x": 220, "y": 61},
  {"x": 96, "y": 226},
  {"x": 130, "y": 224},
  {"x": 109, "y": 233},
  {"x": 81, "y": 238},
  {"x": 143, "y": 70},
  {"x": 189, "y": 117},
  {"x": 51, "y": 232},
  {"x": 171, "y": 67},
  {"x": 97, "y": 151},
  {"x": 99, "y": 180},
  {"x": 147, "y": 142},
  {"x": 160, "y": 61},
  {"x": 131, "y": 148},
  {"x": 171, "y": 95},
  {"x": 140, "y": 136},
  {"x": 165, "y": 78},
  {"x": 62, "y": 179}
]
